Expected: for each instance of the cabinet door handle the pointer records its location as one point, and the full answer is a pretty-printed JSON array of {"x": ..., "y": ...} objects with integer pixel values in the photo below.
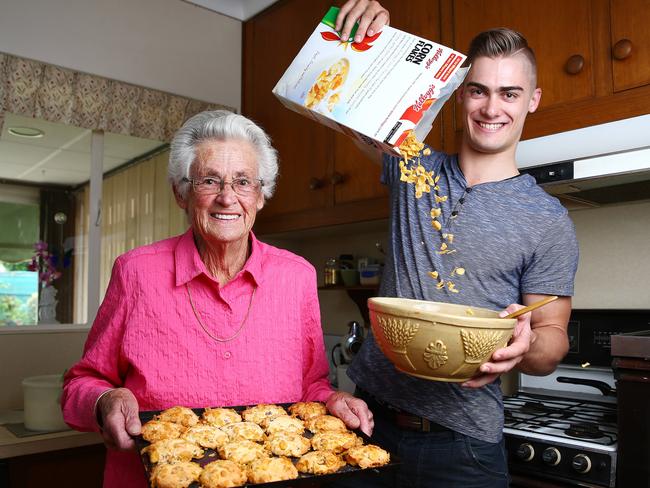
[
  {"x": 622, "y": 49},
  {"x": 337, "y": 178},
  {"x": 574, "y": 64},
  {"x": 315, "y": 184}
]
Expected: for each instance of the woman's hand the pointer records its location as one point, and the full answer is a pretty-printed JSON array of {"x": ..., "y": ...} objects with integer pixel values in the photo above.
[
  {"x": 351, "y": 410},
  {"x": 506, "y": 358},
  {"x": 370, "y": 14},
  {"x": 118, "y": 410}
]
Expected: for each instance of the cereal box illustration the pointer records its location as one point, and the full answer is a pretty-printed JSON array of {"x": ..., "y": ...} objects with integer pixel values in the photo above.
[{"x": 377, "y": 90}]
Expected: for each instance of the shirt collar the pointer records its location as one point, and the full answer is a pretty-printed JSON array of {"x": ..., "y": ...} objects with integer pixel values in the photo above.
[{"x": 188, "y": 263}]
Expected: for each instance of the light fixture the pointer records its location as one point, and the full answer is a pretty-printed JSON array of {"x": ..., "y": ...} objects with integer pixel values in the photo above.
[{"x": 28, "y": 132}]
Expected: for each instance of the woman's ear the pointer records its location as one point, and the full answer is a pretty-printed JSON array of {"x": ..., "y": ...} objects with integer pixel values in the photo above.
[{"x": 179, "y": 199}]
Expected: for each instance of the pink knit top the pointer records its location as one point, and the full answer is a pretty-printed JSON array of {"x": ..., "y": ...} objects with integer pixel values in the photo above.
[{"x": 146, "y": 338}]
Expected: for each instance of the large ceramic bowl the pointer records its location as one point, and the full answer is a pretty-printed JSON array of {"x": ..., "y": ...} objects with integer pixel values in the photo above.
[{"x": 437, "y": 341}]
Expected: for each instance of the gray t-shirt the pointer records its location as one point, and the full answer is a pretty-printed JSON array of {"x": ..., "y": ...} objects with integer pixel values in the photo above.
[{"x": 510, "y": 237}]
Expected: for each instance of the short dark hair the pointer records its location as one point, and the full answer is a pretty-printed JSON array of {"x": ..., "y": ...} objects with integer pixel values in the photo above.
[{"x": 501, "y": 42}]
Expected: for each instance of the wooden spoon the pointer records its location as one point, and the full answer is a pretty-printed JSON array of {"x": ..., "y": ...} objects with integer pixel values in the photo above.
[{"x": 530, "y": 307}]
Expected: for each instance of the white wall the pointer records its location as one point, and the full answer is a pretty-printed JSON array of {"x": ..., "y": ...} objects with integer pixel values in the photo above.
[{"x": 169, "y": 45}]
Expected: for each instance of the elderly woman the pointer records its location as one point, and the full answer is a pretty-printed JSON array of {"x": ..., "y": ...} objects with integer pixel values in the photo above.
[{"x": 212, "y": 317}]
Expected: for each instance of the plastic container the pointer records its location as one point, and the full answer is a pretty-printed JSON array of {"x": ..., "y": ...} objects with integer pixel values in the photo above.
[
  {"x": 370, "y": 275},
  {"x": 350, "y": 277},
  {"x": 42, "y": 403}
]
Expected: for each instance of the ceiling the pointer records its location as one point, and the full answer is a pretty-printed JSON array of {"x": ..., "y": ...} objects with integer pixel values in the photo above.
[
  {"x": 237, "y": 9},
  {"x": 62, "y": 155}
]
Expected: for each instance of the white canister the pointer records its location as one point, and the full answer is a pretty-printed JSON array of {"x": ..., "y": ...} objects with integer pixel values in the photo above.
[{"x": 42, "y": 402}]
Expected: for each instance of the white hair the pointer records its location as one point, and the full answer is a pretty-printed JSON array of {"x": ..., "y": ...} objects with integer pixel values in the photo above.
[{"x": 220, "y": 125}]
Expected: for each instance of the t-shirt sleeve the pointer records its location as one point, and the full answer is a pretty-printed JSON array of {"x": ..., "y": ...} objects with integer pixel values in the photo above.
[
  {"x": 553, "y": 266},
  {"x": 390, "y": 169}
]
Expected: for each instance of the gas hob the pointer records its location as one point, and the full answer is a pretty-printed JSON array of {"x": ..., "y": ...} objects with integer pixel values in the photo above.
[{"x": 572, "y": 440}]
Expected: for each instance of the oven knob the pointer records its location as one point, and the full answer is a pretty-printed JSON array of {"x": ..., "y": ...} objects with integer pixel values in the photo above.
[
  {"x": 581, "y": 463},
  {"x": 525, "y": 452},
  {"x": 551, "y": 456}
]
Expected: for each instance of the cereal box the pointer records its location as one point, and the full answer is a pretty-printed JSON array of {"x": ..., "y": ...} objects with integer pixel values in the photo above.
[{"x": 376, "y": 90}]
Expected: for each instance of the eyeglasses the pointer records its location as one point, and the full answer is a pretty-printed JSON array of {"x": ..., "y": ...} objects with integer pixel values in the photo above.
[{"x": 214, "y": 186}]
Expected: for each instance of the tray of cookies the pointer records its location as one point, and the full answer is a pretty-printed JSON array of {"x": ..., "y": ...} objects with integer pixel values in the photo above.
[{"x": 286, "y": 444}]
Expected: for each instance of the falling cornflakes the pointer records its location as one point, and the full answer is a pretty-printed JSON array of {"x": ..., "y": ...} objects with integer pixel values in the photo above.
[{"x": 424, "y": 181}]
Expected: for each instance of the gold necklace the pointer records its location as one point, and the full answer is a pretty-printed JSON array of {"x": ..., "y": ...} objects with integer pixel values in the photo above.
[{"x": 198, "y": 317}]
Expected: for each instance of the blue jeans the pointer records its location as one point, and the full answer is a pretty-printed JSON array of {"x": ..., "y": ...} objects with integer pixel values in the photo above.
[{"x": 444, "y": 459}]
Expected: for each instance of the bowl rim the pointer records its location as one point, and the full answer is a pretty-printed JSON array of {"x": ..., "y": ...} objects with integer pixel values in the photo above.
[{"x": 397, "y": 308}]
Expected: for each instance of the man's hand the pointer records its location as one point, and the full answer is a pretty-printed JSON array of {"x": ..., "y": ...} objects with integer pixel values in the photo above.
[
  {"x": 118, "y": 410},
  {"x": 506, "y": 358},
  {"x": 351, "y": 410},
  {"x": 370, "y": 14}
]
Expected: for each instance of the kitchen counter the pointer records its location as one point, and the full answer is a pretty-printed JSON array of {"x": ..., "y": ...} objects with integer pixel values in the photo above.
[{"x": 12, "y": 446}]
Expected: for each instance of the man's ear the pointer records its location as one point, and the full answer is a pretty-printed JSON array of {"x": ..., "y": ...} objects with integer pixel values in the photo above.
[
  {"x": 179, "y": 199},
  {"x": 459, "y": 93},
  {"x": 534, "y": 100}
]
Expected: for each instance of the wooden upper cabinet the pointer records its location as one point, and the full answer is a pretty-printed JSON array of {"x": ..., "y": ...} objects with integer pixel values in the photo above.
[
  {"x": 271, "y": 41},
  {"x": 630, "y": 43},
  {"x": 559, "y": 32}
]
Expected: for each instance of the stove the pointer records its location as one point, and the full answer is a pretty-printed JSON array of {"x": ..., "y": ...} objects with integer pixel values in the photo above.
[
  {"x": 560, "y": 427},
  {"x": 562, "y": 438}
]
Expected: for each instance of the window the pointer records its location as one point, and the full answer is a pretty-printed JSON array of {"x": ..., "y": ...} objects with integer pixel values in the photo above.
[{"x": 19, "y": 212}]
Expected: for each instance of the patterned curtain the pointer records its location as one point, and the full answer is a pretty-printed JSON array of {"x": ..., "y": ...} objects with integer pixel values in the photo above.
[{"x": 40, "y": 90}]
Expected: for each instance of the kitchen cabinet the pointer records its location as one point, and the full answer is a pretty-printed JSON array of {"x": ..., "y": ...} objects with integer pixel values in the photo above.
[
  {"x": 593, "y": 67},
  {"x": 630, "y": 41}
]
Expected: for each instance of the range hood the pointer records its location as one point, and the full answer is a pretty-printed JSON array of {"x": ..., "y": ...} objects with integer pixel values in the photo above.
[{"x": 593, "y": 166}]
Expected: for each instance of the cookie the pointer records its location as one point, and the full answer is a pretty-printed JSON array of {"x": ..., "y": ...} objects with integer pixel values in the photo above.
[
  {"x": 319, "y": 462},
  {"x": 335, "y": 441},
  {"x": 283, "y": 423},
  {"x": 172, "y": 451},
  {"x": 242, "y": 451},
  {"x": 178, "y": 475},
  {"x": 158, "y": 430},
  {"x": 288, "y": 444},
  {"x": 307, "y": 410},
  {"x": 179, "y": 415},
  {"x": 244, "y": 430},
  {"x": 220, "y": 416},
  {"x": 265, "y": 470},
  {"x": 206, "y": 435},
  {"x": 263, "y": 411},
  {"x": 325, "y": 422},
  {"x": 368, "y": 456},
  {"x": 222, "y": 473}
]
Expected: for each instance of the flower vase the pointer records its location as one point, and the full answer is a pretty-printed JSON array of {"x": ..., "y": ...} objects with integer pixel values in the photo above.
[{"x": 47, "y": 305}]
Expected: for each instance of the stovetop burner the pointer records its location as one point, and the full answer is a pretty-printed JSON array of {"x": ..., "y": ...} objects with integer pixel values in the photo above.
[
  {"x": 584, "y": 431},
  {"x": 563, "y": 418}
]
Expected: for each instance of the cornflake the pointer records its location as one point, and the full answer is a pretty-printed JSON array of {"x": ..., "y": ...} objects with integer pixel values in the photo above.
[
  {"x": 433, "y": 274},
  {"x": 436, "y": 225},
  {"x": 458, "y": 271},
  {"x": 451, "y": 287},
  {"x": 410, "y": 146}
]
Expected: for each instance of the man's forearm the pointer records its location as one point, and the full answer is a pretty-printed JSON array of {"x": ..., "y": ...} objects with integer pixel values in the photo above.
[{"x": 547, "y": 350}]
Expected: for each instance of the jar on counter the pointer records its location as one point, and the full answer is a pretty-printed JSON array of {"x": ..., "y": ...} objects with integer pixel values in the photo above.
[{"x": 332, "y": 275}]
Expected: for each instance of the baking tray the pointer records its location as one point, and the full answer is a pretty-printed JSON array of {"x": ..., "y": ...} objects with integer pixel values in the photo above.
[{"x": 303, "y": 479}]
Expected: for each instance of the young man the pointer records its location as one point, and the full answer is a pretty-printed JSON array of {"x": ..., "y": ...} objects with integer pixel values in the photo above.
[{"x": 516, "y": 245}]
